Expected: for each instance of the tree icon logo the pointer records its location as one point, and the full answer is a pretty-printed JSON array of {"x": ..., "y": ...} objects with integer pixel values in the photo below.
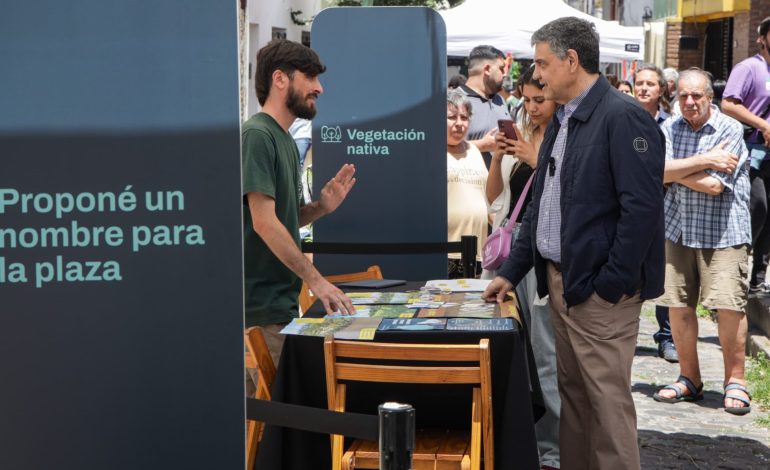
[{"x": 331, "y": 135}]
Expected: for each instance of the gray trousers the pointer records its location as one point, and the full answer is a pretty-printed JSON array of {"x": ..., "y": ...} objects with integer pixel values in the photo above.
[{"x": 537, "y": 315}]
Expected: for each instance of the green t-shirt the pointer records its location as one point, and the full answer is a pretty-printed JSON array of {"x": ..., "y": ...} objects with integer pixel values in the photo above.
[{"x": 270, "y": 164}]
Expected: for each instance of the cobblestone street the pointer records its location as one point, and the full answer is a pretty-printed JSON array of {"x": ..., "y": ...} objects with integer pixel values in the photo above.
[{"x": 698, "y": 435}]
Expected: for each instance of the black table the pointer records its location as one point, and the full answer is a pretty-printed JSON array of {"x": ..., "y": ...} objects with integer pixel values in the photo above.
[{"x": 516, "y": 399}]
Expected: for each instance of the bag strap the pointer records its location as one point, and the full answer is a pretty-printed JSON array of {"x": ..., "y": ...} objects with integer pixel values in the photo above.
[
  {"x": 519, "y": 204},
  {"x": 516, "y": 167}
]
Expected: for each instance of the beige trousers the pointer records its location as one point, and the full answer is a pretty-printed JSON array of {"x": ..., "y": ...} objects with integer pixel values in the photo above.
[{"x": 595, "y": 344}]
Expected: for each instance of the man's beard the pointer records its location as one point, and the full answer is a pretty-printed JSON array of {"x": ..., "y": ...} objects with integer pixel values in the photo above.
[
  {"x": 297, "y": 105},
  {"x": 493, "y": 87}
]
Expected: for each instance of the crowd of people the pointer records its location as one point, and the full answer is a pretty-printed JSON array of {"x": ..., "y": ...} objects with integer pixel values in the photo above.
[
  {"x": 654, "y": 189},
  {"x": 706, "y": 196}
]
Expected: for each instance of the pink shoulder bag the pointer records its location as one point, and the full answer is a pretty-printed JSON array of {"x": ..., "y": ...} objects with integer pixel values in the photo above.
[{"x": 498, "y": 244}]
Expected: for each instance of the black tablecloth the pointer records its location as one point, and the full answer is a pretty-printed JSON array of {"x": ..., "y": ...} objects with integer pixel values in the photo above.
[{"x": 515, "y": 398}]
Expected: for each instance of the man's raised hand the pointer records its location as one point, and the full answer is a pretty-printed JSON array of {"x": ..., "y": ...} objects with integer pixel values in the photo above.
[{"x": 336, "y": 190}]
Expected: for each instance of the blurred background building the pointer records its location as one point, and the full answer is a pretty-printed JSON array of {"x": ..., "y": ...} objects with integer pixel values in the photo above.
[{"x": 710, "y": 34}]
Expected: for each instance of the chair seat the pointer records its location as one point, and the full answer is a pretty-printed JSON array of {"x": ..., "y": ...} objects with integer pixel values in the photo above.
[{"x": 435, "y": 449}]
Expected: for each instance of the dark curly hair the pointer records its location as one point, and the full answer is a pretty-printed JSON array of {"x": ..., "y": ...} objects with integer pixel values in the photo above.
[{"x": 288, "y": 57}]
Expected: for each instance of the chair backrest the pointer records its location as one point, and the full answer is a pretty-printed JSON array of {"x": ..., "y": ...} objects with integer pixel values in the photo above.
[
  {"x": 258, "y": 357},
  {"x": 306, "y": 297},
  {"x": 368, "y": 365},
  {"x": 467, "y": 247}
]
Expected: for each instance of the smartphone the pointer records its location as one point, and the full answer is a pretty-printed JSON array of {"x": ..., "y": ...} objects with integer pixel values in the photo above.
[{"x": 506, "y": 126}]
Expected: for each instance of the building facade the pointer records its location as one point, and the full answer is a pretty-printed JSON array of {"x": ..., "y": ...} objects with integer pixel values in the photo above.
[{"x": 711, "y": 34}]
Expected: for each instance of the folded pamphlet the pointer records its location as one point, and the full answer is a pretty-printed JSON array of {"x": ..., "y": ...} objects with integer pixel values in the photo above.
[
  {"x": 480, "y": 324},
  {"x": 383, "y": 311},
  {"x": 413, "y": 324},
  {"x": 459, "y": 285},
  {"x": 341, "y": 327}
]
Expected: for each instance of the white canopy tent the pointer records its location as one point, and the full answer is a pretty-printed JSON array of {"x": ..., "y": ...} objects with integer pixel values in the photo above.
[{"x": 508, "y": 25}]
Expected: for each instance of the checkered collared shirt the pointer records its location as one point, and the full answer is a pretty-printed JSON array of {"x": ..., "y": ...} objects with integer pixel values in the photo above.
[
  {"x": 549, "y": 218},
  {"x": 699, "y": 219}
]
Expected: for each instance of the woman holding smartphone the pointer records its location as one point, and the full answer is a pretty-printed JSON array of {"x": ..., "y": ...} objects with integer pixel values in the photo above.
[
  {"x": 513, "y": 163},
  {"x": 515, "y": 159}
]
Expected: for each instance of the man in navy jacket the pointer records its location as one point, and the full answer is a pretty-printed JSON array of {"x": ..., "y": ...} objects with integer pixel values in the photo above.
[{"x": 594, "y": 233}]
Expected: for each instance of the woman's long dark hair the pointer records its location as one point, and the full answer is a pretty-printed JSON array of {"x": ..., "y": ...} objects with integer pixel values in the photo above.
[{"x": 525, "y": 123}]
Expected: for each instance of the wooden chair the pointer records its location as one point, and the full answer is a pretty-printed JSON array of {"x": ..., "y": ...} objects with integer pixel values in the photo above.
[
  {"x": 466, "y": 247},
  {"x": 307, "y": 299},
  {"x": 258, "y": 357},
  {"x": 435, "y": 450}
]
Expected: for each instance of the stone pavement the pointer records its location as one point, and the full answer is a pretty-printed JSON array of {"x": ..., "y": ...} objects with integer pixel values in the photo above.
[{"x": 698, "y": 435}]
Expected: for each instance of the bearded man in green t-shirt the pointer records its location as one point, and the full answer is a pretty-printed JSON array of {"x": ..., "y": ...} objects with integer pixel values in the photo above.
[{"x": 287, "y": 87}]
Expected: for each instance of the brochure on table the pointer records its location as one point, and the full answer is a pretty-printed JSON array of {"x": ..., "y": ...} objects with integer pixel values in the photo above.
[
  {"x": 382, "y": 311},
  {"x": 340, "y": 327},
  {"x": 459, "y": 285},
  {"x": 434, "y": 300}
]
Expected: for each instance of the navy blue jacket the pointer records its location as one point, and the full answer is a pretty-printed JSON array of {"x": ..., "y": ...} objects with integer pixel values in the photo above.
[{"x": 612, "y": 237}]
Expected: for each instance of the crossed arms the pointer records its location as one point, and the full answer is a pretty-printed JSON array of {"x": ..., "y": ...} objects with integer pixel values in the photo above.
[{"x": 691, "y": 171}]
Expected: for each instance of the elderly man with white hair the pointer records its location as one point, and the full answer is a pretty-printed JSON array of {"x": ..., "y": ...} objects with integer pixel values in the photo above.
[
  {"x": 708, "y": 234},
  {"x": 671, "y": 76}
]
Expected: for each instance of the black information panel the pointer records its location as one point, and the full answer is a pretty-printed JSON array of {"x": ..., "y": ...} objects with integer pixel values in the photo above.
[
  {"x": 121, "y": 311},
  {"x": 384, "y": 110}
]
